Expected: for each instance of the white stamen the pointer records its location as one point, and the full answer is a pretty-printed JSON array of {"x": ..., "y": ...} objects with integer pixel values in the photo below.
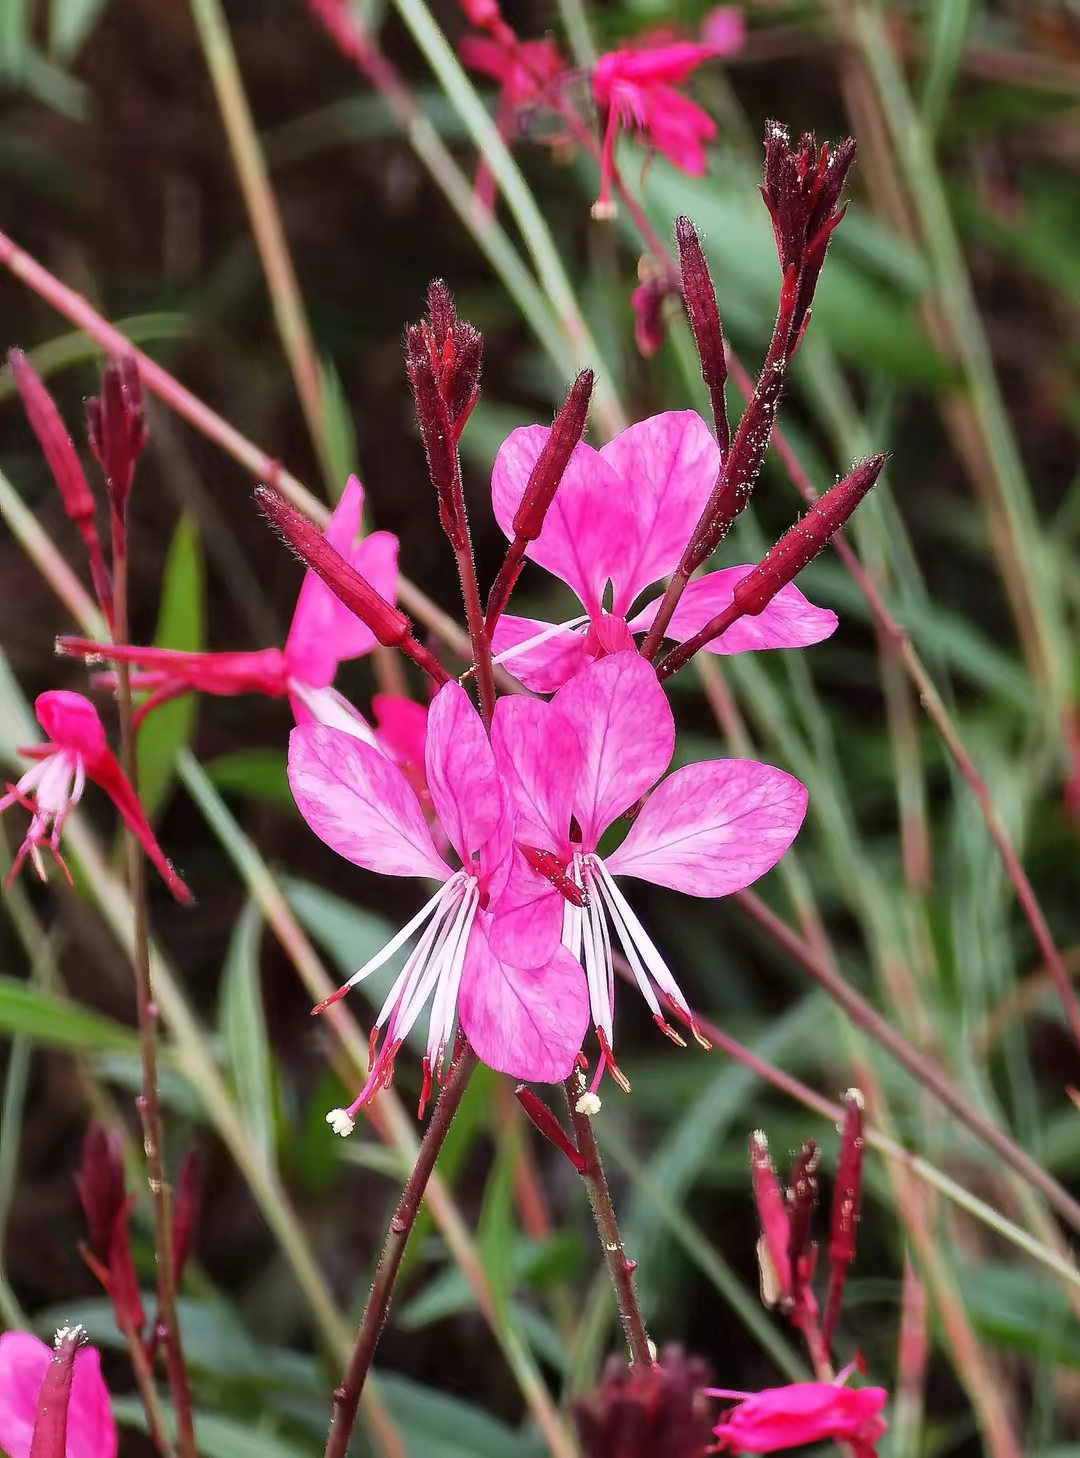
[
  {"x": 398, "y": 941},
  {"x": 340, "y": 1122},
  {"x": 327, "y": 706},
  {"x": 551, "y": 631},
  {"x": 658, "y": 968}
]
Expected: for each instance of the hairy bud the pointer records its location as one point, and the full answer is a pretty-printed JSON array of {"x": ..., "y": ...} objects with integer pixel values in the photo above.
[
  {"x": 116, "y": 427},
  {"x": 700, "y": 298}
]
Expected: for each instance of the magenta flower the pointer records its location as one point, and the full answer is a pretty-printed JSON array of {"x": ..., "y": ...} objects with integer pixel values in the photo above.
[
  {"x": 805, "y": 1412},
  {"x": 78, "y": 751},
  {"x": 24, "y": 1361},
  {"x": 323, "y": 634},
  {"x": 635, "y": 88},
  {"x": 575, "y": 765},
  {"x": 489, "y": 951},
  {"x": 621, "y": 516}
]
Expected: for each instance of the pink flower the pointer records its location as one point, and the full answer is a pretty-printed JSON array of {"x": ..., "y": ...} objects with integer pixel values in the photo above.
[
  {"x": 622, "y": 515},
  {"x": 24, "y": 1361},
  {"x": 78, "y": 751},
  {"x": 489, "y": 950},
  {"x": 636, "y": 88},
  {"x": 724, "y": 30},
  {"x": 323, "y": 634},
  {"x": 805, "y": 1412},
  {"x": 708, "y": 830}
]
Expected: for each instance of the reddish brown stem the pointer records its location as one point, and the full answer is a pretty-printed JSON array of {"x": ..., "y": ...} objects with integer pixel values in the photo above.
[
  {"x": 347, "y": 1396},
  {"x": 620, "y": 1267}
]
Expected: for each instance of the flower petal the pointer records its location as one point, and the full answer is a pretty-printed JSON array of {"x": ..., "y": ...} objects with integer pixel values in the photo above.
[
  {"x": 71, "y": 721},
  {"x": 588, "y": 530},
  {"x": 548, "y": 664},
  {"x": 713, "y": 828},
  {"x": 461, "y": 774},
  {"x": 789, "y": 621},
  {"x": 668, "y": 466},
  {"x": 539, "y": 755},
  {"x": 324, "y": 632},
  {"x": 24, "y": 1360},
  {"x": 627, "y": 733},
  {"x": 360, "y": 804},
  {"x": 527, "y": 1023},
  {"x": 401, "y": 729},
  {"x": 527, "y": 917}
]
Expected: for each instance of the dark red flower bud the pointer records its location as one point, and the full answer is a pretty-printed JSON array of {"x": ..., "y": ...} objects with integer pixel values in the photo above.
[
  {"x": 549, "y": 1126},
  {"x": 116, "y": 426},
  {"x": 50, "y": 1426},
  {"x": 801, "y": 1200},
  {"x": 437, "y": 432},
  {"x": 847, "y": 1195},
  {"x": 100, "y": 1183},
  {"x": 802, "y": 543},
  {"x": 773, "y": 1249},
  {"x": 441, "y": 312},
  {"x": 185, "y": 1207},
  {"x": 700, "y": 298},
  {"x": 657, "y": 1412},
  {"x": 566, "y": 432},
  {"x": 123, "y": 1283},
  {"x": 390, "y": 626}
]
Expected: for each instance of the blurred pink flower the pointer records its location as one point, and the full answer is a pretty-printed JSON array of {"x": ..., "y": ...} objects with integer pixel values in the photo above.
[
  {"x": 24, "y": 1362},
  {"x": 490, "y": 948},
  {"x": 586, "y": 758},
  {"x": 806, "y": 1412},
  {"x": 724, "y": 30},
  {"x": 635, "y": 88},
  {"x": 323, "y": 634},
  {"x": 78, "y": 751},
  {"x": 621, "y": 516}
]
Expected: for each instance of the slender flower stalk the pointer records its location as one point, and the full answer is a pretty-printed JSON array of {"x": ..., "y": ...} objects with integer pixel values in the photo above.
[
  {"x": 347, "y": 1396},
  {"x": 118, "y": 434},
  {"x": 583, "y": 1104}
]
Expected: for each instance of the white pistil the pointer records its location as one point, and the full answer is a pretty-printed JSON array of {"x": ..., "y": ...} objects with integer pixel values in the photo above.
[{"x": 551, "y": 631}]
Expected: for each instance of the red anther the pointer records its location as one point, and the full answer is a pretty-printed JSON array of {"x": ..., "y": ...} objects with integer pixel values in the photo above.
[
  {"x": 547, "y": 864},
  {"x": 329, "y": 1001},
  {"x": 700, "y": 298},
  {"x": 607, "y": 1060},
  {"x": 582, "y": 1062},
  {"x": 549, "y": 1126},
  {"x": 772, "y": 1214},
  {"x": 372, "y": 1046},
  {"x": 425, "y": 1089},
  {"x": 668, "y": 1031},
  {"x": 802, "y": 543}
]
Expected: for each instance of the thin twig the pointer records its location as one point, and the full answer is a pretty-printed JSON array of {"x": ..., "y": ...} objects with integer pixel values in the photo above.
[
  {"x": 347, "y": 1396},
  {"x": 620, "y": 1267}
]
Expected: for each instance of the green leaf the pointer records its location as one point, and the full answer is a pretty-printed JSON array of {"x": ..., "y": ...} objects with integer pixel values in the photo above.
[
  {"x": 339, "y": 429},
  {"x": 70, "y": 24},
  {"x": 221, "y": 1437},
  {"x": 242, "y": 1023},
  {"x": 435, "y": 1425},
  {"x": 1016, "y": 1307},
  {"x": 349, "y": 935},
  {"x": 260, "y": 773},
  {"x": 47, "y": 1019},
  {"x": 180, "y": 625}
]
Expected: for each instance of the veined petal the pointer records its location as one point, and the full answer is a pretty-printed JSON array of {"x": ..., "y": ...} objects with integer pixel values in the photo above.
[
  {"x": 360, "y": 804},
  {"x": 588, "y": 530},
  {"x": 526, "y": 917},
  {"x": 627, "y": 733},
  {"x": 324, "y": 632},
  {"x": 712, "y": 828},
  {"x": 789, "y": 621},
  {"x": 668, "y": 465},
  {"x": 539, "y": 756},
  {"x": 527, "y": 1023},
  {"x": 461, "y": 773},
  {"x": 401, "y": 729},
  {"x": 553, "y": 660}
]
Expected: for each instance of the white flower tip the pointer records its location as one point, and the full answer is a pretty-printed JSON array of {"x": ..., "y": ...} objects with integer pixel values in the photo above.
[
  {"x": 68, "y": 1334},
  {"x": 588, "y": 1104},
  {"x": 604, "y": 210},
  {"x": 854, "y": 1096},
  {"x": 340, "y": 1122}
]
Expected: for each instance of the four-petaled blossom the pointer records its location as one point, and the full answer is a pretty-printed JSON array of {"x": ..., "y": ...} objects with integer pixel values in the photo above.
[
  {"x": 24, "y": 1361},
  {"x": 489, "y": 950},
  {"x": 805, "y": 1412},
  {"x": 323, "y": 634},
  {"x": 635, "y": 88},
  {"x": 621, "y": 516},
  {"x": 78, "y": 751},
  {"x": 576, "y": 764}
]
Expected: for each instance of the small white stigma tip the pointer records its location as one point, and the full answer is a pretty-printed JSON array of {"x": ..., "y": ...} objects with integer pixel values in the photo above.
[
  {"x": 854, "y": 1096},
  {"x": 604, "y": 210},
  {"x": 340, "y": 1122},
  {"x": 588, "y": 1104}
]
